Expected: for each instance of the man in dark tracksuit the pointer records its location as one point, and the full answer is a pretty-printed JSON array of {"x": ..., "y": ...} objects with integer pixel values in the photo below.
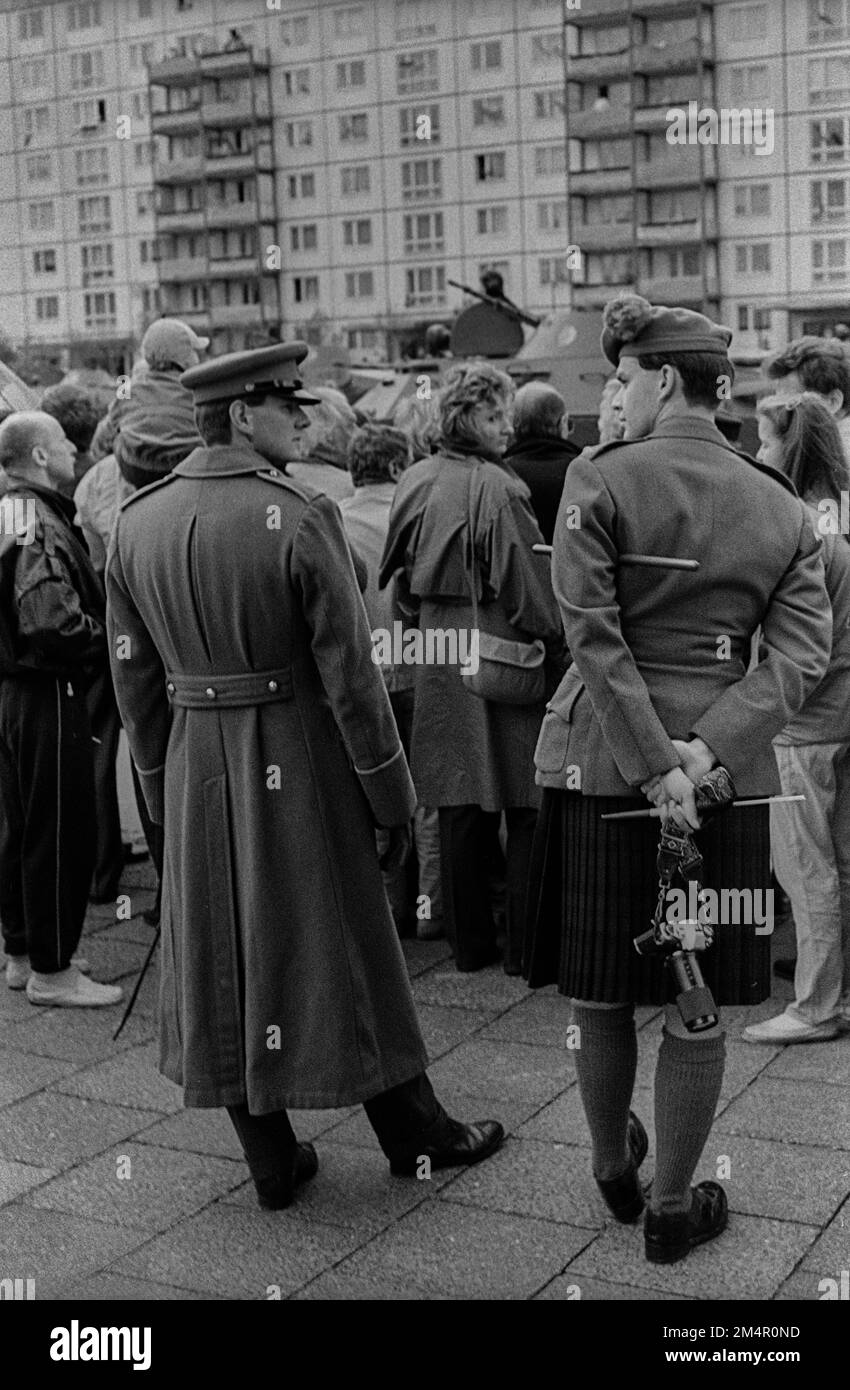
[{"x": 52, "y": 640}]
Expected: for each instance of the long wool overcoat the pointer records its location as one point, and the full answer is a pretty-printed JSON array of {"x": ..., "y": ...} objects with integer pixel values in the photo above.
[{"x": 266, "y": 745}]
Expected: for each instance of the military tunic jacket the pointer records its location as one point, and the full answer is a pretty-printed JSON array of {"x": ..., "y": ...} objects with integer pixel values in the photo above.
[
  {"x": 664, "y": 653},
  {"x": 267, "y": 747}
]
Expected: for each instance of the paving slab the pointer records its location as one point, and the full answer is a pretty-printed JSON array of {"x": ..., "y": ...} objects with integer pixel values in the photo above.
[
  {"x": 787, "y": 1181},
  {"x": 51, "y": 1247},
  {"x": 14, "y": 1005},
  {"x": 551, "y": 1181},
  {"x": 80, "y": 1035},
  {"x": 811, "y": 1286},
  {"x": 353, "y": 1189},
  {"x": 830, "y": 1253},
  {"x": 572, "y": 1287},
  {"x": 444, "y": 1029},
  {"x": 115, "y": 1288},
  {"x": 238, "y": 1253},
  {"x": 111, "y": 958},
  {"x": 196, "y": 1131},
  {"x": 55, "y": 1131},
  {"x": 480, "y": 989},
  {"x": 357, "y": 1131},
  {"x": 338, "y": 1287},
  {"x": 130, "y": 1078},
  {"x": 444, "y": 1248},
  {"x": 793, "y": 1112},
  {"x": 136, "y": 930},
  {"x": 827, "y": 1063},
  {"x": 542, "y": 1020},
  {"x": 16, "y": 1178},
  {"x": 751, "y": 1260},
  {"x": 422, "y": 956},
  {"x": 514, "y": 1071},
  {"x": 22, "y": 1075},
  {"x": 139, "y": 1185}
]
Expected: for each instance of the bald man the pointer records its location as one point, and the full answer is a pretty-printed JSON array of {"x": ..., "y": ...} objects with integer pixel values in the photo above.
[
  {"x": 52, "y": 641},
  {"x": 540, "y": 452}
]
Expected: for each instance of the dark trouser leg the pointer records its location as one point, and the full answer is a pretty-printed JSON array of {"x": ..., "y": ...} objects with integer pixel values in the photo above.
[
  {"x": 56, "y": 776},
  {"x": 106, "y": 727},
  {"x": 11, "y": 845},
  {"x": 465, "y": 836},
  {"x": 521, "y": 821},
  {"x": 268, "y": 1142},
  {"x": 405, "y": 1113},
  {"x": 154, "y": 834}
]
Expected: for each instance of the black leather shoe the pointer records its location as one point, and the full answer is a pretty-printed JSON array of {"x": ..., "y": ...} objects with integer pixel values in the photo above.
[
  {"x": 274, "y": 1194},
  {"x": 623, "y": 1195},
  {"x": 457, "y": 1145},
  {"x": 670, "y": 1236},
  {"x": 785, "y": 968}
]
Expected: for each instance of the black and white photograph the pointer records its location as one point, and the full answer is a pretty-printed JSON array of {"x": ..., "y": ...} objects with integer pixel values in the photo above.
[{"x": 425, "y": 664}]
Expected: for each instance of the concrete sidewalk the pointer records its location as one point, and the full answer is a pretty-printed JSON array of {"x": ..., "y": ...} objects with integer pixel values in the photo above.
[{"x": 109, "y": 1189}]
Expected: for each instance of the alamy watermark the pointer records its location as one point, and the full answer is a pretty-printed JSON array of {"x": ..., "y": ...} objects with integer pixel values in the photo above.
[
  {"x": 725, "y": 125},
  {"x": 724, "y": 907},
  {"x": 17, "y": 518},
  {"x": 430, "y": 646}
]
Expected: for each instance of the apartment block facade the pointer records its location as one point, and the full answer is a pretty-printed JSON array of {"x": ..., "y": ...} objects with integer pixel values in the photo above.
[{"x": 324, "y": 169}]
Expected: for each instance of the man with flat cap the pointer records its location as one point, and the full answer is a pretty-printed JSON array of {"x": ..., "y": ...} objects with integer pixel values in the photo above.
[
  {"x": 659, "y": 694},
  {"x": 266, "y": 745}
]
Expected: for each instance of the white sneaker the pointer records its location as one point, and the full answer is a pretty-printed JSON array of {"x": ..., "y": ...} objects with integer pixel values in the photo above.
[
  {"x": 785, "y": 1028},
  {"x": 18, "y": 970},
  {"x": 71, "y": 990}
]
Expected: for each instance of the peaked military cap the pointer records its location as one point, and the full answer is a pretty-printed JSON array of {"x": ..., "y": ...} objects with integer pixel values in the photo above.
[
  {"x": 266, "y": 371},
  {"x": 635, "y": 328}
]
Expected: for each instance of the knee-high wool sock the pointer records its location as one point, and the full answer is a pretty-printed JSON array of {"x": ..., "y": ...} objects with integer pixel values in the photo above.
[
  {"x": 688, "y": 1077},
  {"x": 606, "y": 1061}
]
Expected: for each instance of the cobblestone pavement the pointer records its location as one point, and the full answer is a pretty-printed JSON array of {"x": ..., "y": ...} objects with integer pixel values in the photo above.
[{"x": 109, "y": 1189}]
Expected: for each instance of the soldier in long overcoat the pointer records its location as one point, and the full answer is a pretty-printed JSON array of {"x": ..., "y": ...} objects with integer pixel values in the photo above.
[{"x": 266, "y": 745}]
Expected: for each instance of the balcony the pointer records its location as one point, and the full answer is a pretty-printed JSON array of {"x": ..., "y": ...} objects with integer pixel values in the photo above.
[
  {"x": 183, "y": 170},
  {"x": 183, "y": 270},
  {"x": 678, "y": 233},
  {"x": 237, "y": 268},
  {"x": 651, "y": 118},
  {"x": 238, "y": 315},
  {"x": 176, "y": 122},
  {"x": 248, "y": 214},
  {"x": 601, "y": 12},
  {"x": 680, "y": 167},
  {"x": 602, "y": 236},
  {"x": 185, "y": 71},
  {"x": 679, "y": 289},
  {"x": 245, "y": 162},
  {"x": 237, "y": 113},
  {"x": 593, "y": 125},
  {"x": 595, "y": 66},
  {"x": 601, "y": 181},
  {"x": 196, "y": 318},
  {"x": 189, "y": 221},
  {"x": 684, "y": 56},
  {"x": 595, "y": 296}
]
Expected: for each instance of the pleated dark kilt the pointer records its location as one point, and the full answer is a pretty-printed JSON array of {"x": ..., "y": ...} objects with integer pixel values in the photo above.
[{"x": 593, "y": 887}]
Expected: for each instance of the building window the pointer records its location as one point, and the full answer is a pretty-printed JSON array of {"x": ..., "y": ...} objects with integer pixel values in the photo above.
[
  {"x": 99, "y": 310},
  {"x": 41, "y": 216},
  {"x": 490, "y": 167},
  {"x": 38, "y": 168},
  {"x": 753, "y": 257},
  {"x": 425, "y": 286},
  {"x": 829, "y": 200},
  {"x": 298, "y": 133},
  {"x": 830, "y": 262},
  {"x": 91, "y": 165},
  {"x": 30, "y": 25},
  {"x": 746, "y": 22},
  {"x": 140, "y": 105},
  {"x": 350, "y": 22},
  {"x": 150, "y": 299},
  {"x": 97, "y": 263},
  {"x": 488, "y": 111},
  {"x": 547, "y": 46},
  {"x": 145, "y": 9},
  {"x": 352, "y": 74},
  {"x": 359, "y": 284},
  {"x": 305, "y": 288},
  {"x": 354, "y": 127},
  {"x": 357, "y": 231},
  {"x": 86, "y": 69},
  {"x": 419, "y": 125},
  {"x": 33, "y": 74},
  {"x": 295, "y": 32},
  {"x": 47, "y": 307},
  {"x": 552, "y": 216},
  {"x": 302, "y": 185},
  {"x": 36, "y": 120},
  {"x": 414, "y": 19},
  {"x": 303, "y": 238},
  {"x": 829, "y": 140},
  {"x": 84, "y": 15},
  {"x": 549, "y": 160},
  {"x": 88, "y": 115},
  {"x": 141, "y": 55},
  {"x": 548, "y": 102},
  {"x": 421, "y": 178},
  {"x": 487, "y": 56},
  {"x": 354, "y": 178},
  {"x": 491, "y": 220},
  {"x": 553, "y": 270},
  {"x": 829, "y": 79},
  {"x": 676, "y": 262},
  {"x": 95, "y": 215},
  {"x": 296, "y": 82},
  {"x": 750, "y": 83},
  {"x": 423, "y": 232},
  {"x": 44, "y": 262},
  {"x": 149, "y": 252},
  {"x": 416, "y": 72},
  {"x": 144, "y": 200},
  {"x": 752, "y": 199},
  {"x": 143, "y": 153}
]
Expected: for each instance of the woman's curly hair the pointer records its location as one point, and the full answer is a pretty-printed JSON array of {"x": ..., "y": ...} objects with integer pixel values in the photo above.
[{"x": 466, "y": 386}]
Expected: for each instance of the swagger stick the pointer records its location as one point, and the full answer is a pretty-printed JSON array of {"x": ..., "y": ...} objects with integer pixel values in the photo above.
[
  {"x": 655, "y": 810},
  {"x": 655, "y": 562},
  {"x": 134, "y": 996}
]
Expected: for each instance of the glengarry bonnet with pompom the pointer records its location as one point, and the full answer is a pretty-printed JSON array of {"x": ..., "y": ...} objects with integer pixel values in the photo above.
[{"x": 635, "y": 328}]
